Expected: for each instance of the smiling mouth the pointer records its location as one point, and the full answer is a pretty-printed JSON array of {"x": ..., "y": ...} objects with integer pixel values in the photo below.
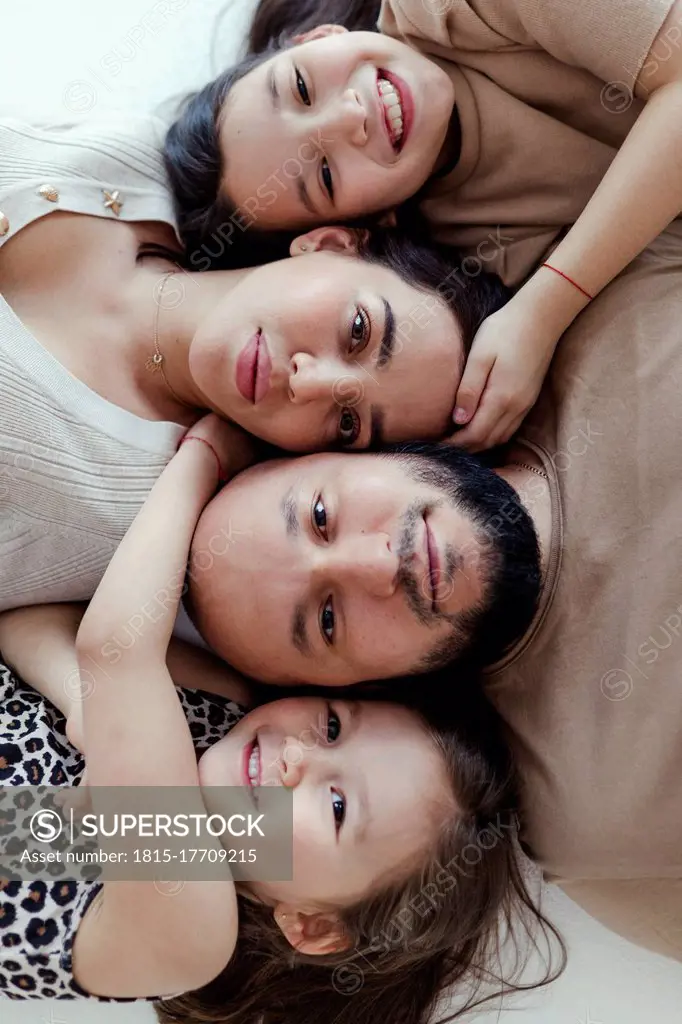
[
  {"x": 392, "y": 106},
  {"x": 253, "y": 765}
]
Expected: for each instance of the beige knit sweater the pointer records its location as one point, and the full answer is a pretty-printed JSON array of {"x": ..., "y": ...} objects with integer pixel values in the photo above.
[
  {"x": 544, "y": 92},
  {"x": 74, "y": 469}
]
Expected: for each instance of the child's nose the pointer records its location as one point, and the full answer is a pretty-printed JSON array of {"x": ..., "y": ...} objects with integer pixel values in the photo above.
[{"x": 346, "y": 118}]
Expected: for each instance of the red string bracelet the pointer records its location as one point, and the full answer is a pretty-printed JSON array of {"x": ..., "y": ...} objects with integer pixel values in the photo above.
[
  {"x": 569, "y": 279},
  {"x": 193, "y": 437}
]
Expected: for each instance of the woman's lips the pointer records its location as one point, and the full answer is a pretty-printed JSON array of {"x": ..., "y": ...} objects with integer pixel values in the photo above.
[
  {"x": 406, "y": 102},
  {"x": 253, "y": 369}
]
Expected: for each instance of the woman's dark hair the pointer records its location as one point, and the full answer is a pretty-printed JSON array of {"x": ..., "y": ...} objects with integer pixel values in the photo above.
[
  {"x": 471, "y": 294},
  {"x": 277, "y": 19},
  {"x": 446, "y": 923}
]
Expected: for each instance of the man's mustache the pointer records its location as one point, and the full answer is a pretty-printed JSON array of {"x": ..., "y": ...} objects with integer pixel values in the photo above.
[
  {"x": 418, "y": 592},
  {"x": 417, "y": 600}
]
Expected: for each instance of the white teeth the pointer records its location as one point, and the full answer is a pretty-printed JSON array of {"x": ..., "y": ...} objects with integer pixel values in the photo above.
[
  {"x": 254, "y": 765},
  {"x": 393, "y": 107}
]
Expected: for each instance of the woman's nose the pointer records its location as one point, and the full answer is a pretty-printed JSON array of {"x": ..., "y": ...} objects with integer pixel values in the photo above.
[
  {"x": 366, "y": 562},
  {"x": 346, "y": 118},
  {"x": 311, "y": 379}
]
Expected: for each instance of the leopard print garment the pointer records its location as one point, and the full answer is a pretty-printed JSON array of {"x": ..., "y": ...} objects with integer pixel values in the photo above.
[{"x": 39, "y": 919}]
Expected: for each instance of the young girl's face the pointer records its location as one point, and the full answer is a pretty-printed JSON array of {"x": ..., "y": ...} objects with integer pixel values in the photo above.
[
  {"x": 327, "y": 350},
  {"x": 370, "y": 792},
  {"x": 345, "y": 124}
]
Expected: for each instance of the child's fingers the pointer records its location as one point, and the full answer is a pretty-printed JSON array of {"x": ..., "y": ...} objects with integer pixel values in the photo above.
[
  {"x": 471, "y": 387},
  {"x": 504, "y": 431},
  {"x": 478, "y": 434},
  {"x": 75, "y": 798}
]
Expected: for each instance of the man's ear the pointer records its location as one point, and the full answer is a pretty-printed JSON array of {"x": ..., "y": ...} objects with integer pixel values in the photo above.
[
  {"x": 319, "y": 32},
  {"x": 311, "y": 933},
  {"x": 333, "y": 238}
]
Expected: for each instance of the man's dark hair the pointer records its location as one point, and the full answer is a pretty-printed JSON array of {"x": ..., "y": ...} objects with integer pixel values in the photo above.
[{"x": 509, "y": 551}]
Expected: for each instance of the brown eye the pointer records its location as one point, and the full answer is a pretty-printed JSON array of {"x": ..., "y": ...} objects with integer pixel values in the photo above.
[
  {"x": 349, "y": 427},
  {"x": 320, "y": 518},
  {"x": 328, "y": 621},
  {"x": 327, "y": 180},
  {"x": 359, "y": 331}
]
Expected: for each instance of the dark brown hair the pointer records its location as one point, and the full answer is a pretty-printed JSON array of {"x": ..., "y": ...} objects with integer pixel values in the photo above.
[
  {"x": 443, "y": 925},
  {"x": 274, "y": 20},
  {"x": 215, "y": 237},
  {"x": 217, "y": 233}
]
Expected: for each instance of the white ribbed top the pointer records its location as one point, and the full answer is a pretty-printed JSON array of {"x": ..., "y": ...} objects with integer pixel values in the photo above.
[{"x": 74, "y": 469}]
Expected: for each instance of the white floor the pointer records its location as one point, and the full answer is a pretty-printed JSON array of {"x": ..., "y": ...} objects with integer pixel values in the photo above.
[{"x": 78, "y": 57}]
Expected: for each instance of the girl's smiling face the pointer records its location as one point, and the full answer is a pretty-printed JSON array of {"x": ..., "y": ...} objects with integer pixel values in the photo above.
[
  {"x": 341, "y": 125},
  {"x": 370, "y": 793}
]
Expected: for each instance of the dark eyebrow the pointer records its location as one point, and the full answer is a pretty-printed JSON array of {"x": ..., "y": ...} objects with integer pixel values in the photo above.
[
  {"x": 385, "y": 353},
  {"x": 304, "y": 195},
  {"x": 274, "y": 91},
  {"x": 376, "y": 439},
  {"x": 288, "y": 510},
  {"x": 299, "y": 635}
]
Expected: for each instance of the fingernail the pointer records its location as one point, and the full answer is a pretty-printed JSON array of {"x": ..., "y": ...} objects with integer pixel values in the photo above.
[{"x": 461, "y": 415}]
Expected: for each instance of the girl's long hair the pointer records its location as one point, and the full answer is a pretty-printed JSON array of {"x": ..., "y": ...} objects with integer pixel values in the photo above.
[
  {"x": 452, "y": 922},
  {"x": 216, "y": 233},
  {"x": 275, "y": 20}
]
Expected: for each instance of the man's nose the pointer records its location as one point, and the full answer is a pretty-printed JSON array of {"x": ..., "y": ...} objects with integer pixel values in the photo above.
[
  {"x": 364, "y": 561},
  {"x": 311, "y": 379},
  {"x": 345, "y": 117}
]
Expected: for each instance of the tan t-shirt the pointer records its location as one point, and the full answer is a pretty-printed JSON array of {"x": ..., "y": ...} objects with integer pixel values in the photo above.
[
  {"x": 544, "y": 94},
  {"x": 593, "y": 694}
]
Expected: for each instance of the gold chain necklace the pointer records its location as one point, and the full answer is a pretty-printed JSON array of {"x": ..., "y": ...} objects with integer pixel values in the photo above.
[
  {"x": 531, "y": 469},
  {"x": 155, "y": 362}
]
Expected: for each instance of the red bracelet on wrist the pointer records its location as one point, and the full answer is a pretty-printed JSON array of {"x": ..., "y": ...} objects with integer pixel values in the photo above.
[
  {"x": 569, "y": 279},
  {"x": 202, "y": 440}
]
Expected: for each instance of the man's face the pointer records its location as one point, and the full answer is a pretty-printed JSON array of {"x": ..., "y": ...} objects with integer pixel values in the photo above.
[{"x": 334, "y": 569}]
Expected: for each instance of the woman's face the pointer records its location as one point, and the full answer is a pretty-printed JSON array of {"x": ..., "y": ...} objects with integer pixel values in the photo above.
[
  {"x": 344, "y": 124},
  {"x": 326, "y": 350},
  {"x": 370, "y": 792}
]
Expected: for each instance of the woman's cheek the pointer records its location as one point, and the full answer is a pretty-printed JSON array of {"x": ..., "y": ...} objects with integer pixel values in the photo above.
[{"x": 297, "y": 429}]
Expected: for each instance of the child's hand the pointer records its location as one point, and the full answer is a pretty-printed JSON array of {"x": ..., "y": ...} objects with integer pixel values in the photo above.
[
  {"x": 74, "y": 724},
  {"x": 502, "y": 378},
  {"x": 233, "y": 448},
  {"x": 75, "y": 798}
]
